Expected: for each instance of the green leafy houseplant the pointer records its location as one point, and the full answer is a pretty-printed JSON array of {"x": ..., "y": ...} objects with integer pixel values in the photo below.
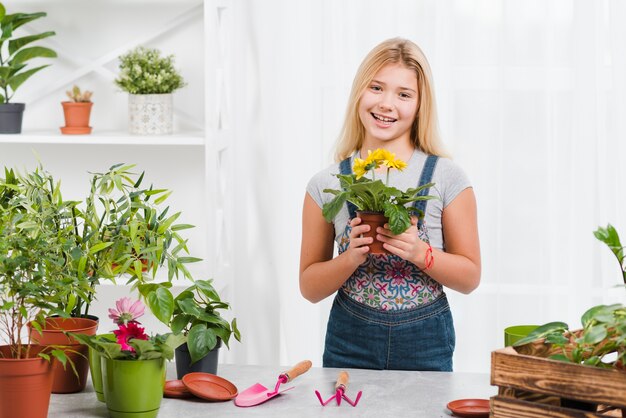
[
  {"x": 374, "y": 195},
  {"x": 144, "y": 71},
  {"x": 196, "y": 314},
  {"x": 602, "y": 340},
  {"x": 122, "y": 229},
  {"x": 15, "y": 52},
  {"x": 33, "y": 257}
]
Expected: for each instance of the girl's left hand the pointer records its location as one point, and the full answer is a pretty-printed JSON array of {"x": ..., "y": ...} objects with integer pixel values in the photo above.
[{"x": 407, "y": 245}]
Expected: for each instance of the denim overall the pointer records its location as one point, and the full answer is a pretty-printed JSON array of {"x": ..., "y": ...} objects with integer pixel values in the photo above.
[{"x": 366, "y": 337}]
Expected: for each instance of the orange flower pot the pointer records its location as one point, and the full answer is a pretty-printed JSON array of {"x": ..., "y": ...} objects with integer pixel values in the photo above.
[
  {"x": 65, "y": 380},
  {"x": 374, "y": 220},
  {"x": 76, "y": 118},
  {"x": 25, "y": 385}
]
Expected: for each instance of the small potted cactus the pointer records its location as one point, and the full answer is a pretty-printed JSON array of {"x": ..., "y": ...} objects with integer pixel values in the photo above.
[{"x": 77, "y": 111}]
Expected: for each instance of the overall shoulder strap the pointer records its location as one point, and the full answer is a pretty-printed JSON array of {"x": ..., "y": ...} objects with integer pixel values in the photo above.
[
  {"x": 345, "y": 168},
  {"x": 425, "y": 178}
]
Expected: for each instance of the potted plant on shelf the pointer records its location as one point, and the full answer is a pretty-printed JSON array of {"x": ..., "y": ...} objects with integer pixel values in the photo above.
[
  {"x": 32, "y": 264},
  {"x": 14, "y": 70},
  {"x": 76, "y": 112},
  {"x": 376, "y": 202},
  {"x": 150, "y": 81},
  {"x": 195, "y": 314},
  {"x": 133, "y": 367}
]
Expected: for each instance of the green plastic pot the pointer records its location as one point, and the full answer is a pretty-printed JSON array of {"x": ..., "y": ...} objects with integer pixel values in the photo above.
[
  {"x": 133, "y": 388},
  {"x": 515, "y": 333},
  {"x": 95, "y": 367}
]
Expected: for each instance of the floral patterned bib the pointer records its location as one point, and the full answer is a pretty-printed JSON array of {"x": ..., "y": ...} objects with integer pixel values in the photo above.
[{"x": 388, "y": 282}]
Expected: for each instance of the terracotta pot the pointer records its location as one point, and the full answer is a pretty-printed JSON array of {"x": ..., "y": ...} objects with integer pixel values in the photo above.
[
  {"x": 76, "y": 118},
  {"x": 374, "y": 220},
  {"x": 65, "y": 380},
  {"x": 25, "y": 385}
]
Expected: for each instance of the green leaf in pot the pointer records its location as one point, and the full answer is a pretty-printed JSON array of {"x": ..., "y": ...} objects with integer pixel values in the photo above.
[{"x": 542, "y": 332}]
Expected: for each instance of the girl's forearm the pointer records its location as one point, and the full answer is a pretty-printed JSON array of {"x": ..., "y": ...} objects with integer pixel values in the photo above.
[
  {"x": 453, "y": 271},
  {"x": 322, "y": 279}
]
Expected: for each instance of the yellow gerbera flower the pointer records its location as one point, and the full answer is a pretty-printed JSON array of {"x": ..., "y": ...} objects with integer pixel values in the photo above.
[
  {"x": 359, "y": 167},
  {"x": 396, "y": 163},
  {"x": 377, "y": 156}
]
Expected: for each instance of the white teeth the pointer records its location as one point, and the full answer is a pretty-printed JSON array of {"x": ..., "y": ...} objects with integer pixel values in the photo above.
[{"x": 383, "y": 118}]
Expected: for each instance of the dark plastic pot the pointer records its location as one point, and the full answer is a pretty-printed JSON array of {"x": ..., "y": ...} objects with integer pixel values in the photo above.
[
  {"x": 11, "y": 118},
  {"x": 207, "y": 364}
]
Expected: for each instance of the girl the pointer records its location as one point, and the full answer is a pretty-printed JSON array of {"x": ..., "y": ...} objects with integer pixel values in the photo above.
[{"x": 390, "y": 311}]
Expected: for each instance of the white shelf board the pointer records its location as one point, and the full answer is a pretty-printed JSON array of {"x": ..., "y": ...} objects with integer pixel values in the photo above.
[{"x": 195, "y": 138}]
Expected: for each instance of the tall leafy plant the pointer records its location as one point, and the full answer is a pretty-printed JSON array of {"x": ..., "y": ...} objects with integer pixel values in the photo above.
[
  {"x": 34, "y": 243},
  {"x": 123, "y": 229},
  {"x": 17, "y": 51}
]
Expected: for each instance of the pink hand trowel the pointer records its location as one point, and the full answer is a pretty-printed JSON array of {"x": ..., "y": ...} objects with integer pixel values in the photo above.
[{"x": 258, "y": 393}]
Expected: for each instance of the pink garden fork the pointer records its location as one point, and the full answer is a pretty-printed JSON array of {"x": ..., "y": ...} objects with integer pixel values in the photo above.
[{"x": 340, "y": 391}]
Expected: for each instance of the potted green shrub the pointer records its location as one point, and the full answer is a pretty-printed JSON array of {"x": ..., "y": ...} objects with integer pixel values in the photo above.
[
  {"x": 76, "y": 112},
  {"x": 14, "y": 60},
  {"x": 32, "y": 263},
  {"x": 196, "y": 314},
  {"x": 150, "y": 80}
]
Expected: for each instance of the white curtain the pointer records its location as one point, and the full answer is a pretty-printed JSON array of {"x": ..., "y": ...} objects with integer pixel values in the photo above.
[{"x": 532, "y": 99}]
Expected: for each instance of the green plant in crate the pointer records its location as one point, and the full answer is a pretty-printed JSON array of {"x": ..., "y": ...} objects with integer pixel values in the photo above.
[
  {"x": 602, "y": 340},
  {"x": 17, "y": 51},
  {"x": 196, "y": 314}
]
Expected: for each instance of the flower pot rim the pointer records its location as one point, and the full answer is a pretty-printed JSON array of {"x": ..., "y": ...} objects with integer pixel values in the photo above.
[{"x": 92, "y": 323}]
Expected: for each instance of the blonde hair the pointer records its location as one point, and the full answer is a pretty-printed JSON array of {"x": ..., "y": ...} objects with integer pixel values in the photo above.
[{"x": 425, "y": 130}]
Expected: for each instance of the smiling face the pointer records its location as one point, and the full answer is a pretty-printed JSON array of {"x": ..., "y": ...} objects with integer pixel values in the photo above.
[{"x": 388, "y": 106}]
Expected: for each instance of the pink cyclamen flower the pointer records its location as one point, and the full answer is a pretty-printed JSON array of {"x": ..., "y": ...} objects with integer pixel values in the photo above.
[
  {"x": 127, "y": 332},
  {"x": 127, "y": 311}
]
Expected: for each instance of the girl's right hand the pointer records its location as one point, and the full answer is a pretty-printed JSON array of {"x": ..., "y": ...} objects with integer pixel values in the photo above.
[{"x": 359, "y": 246}]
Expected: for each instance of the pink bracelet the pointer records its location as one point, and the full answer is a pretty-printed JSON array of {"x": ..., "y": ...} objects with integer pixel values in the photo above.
[{"x": 429, "y": 260}]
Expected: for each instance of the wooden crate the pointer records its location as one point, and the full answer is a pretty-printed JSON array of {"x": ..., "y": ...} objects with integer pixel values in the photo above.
[{"x": 530, "y": 386}]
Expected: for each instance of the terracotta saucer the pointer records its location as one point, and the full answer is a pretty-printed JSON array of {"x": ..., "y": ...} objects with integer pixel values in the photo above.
[
  {"x": 209, "y": 386},
  {"x": 470, "y": 408},
  {"x": 176, "y": 389}
]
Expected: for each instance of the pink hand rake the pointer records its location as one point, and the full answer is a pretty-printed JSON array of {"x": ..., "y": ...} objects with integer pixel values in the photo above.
[{"x": 340, "y": 391}]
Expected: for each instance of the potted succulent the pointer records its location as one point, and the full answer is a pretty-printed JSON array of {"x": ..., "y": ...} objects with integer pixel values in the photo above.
[
  {"x": 33, "y": 257},
  {"x": 14, "y": 70},
  {"x": 133, "y": 366},
  {"x": 76, "y": 112},
  {"x": 376, "y": 202},
  {"x": 150, "y": 80},
  {"x": 196, "y": 314}
]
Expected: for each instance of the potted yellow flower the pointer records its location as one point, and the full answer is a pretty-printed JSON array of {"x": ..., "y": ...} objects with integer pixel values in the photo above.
[{"x": 376, "y": 202}]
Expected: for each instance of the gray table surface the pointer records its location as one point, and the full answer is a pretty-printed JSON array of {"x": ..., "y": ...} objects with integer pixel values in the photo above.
[{"x": 385, "y": 394}]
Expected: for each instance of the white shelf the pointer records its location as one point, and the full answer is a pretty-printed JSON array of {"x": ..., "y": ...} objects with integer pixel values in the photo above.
[{"x": 195, "y": 138}]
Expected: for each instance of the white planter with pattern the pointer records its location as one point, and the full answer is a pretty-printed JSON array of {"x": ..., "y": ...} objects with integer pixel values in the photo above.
[{"x": 150, "y": 114}]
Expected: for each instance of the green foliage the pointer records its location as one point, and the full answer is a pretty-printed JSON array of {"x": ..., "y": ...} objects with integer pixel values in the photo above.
[
  {"x": 123, "y": 228},
  {"x": 195, "y": 313},
  {"x": 610, "y": 237},
  {"x": 158, "y": 346},
  {"x": 144, "y": 71},
  {"x": 16, "y": 51},
  {"x": 375, "y": 196},
  {"x": 36, "y": 240},
  {"x": 602, "y": 340}
]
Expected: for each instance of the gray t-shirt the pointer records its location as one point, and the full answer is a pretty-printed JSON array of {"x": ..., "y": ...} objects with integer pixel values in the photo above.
[{"x": 449, "y": 179}]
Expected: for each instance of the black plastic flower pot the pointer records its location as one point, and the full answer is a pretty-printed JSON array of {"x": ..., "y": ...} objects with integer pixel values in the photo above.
[
  {"x": 207, "y": 364},
  {"x": 11, "y": 118}
]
